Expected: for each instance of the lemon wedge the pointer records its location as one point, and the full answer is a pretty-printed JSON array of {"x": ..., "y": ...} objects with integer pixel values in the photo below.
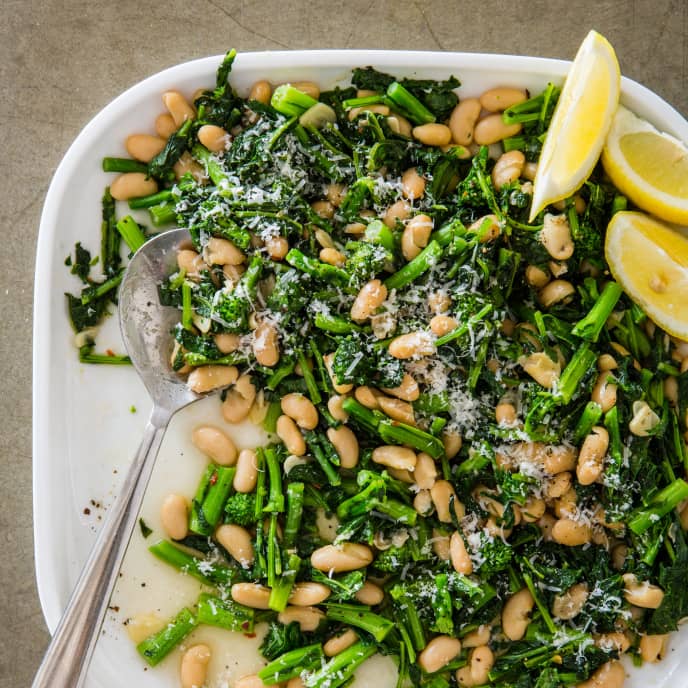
[
  {"x": 650, "y": 261},
  {"x": 650, "y": 167},
  {"x": 580, "y": 123}
]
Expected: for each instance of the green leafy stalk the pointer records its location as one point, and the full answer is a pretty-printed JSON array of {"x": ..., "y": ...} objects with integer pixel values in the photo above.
[
  {"x": 590, "y": 327},
  {"x": 426, "y": 259},
  {"x": 157, "y": 646},
  {"x": 341, "y": 667},
  {"x": 203, "y": 570},
  {"x": 660, "y": 505},
  {"x": 292, "y": 664},
  {"x": 408, "y": 104},
  {"x": 294, "y": 513},
  {"x": 224, "y": 613},
  {"x": 124, "y": 165},
  {"x": 290, "y": 101},
  {"x": 282, "y": 586},
  {"x": 209, "y": 503},
  {"x": 133, "y": 237},
  {"x": 275, "y": 502},
  {"x": 361, "y": 617}
]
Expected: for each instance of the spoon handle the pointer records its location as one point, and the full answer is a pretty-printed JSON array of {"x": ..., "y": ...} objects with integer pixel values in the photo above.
[{"x": 67, "y": 658}]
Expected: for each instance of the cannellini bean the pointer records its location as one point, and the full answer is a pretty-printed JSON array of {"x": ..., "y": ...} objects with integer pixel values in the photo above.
[
  {"x": 400, "y": 125},
  {"x": 215, "y": 444},
  {"x": 452, "y": 443},
  {"x": 476, "y": 672},
  {"x": 323, "y": 208},
  {"x": 251, "y": 595},
  {"x": 144, "y": 147},
  {"x": 508, "y": 168},
  {"x": 536, "y": 277},
  {"x": 558, "y": 486},
  {"x": 397, "y": 212},
  {"x": 277, "y": 247},
  {"x": 606, "y": 362},
  {"x": 557, "y": 291},
  {"x": 261, "y": 91},
  {"x": 239, "y": 400},
  {"x": 425, "y": 472},
  {"x": 301, "y": 409},
  {"x": 443, "y": 494},
  {"x": 397, "y": 410},
  {"x": 237, "y": 541},
  {"x": 439, "y": 652},
  {"x": 487, "y": 228},
  {"x": 411, "y": 345},
  {"x": 370, "y": 594},
  {"x": 246, "y": 474},
  {"x": 408, "y": 390},
  {"x": 335, "y": 194},
  {"x": 308, "y": 593},
  {"x": 328, "y": 359},
  {"x": 348, "y": 556},
  {"x": 557, "y": 458},
  {"x": 346, "y": 443},
  {"x": 439, "y": 301},
  {"x": 500, "y": 98},
  {"x": 289, "y": 433},
  {"x": 132, "y": 185},
  {"x": 571, "y": 533},
  {"x": 249, "y": 681},
  {"x": 308, "y": 618},
  {"x": 492, "y": 129},
  {"x": 463, "y": 119},
  {"x": 541, "y": 368},
  {"x": 367, "y": 396},
  {"x": 416, "y": 235},
  {"x": 227, "y": 343},
  {"x": 165, "y": 126},
  {"x": 401, "y": 458},
  {"x": 591, "y": 457},
  {"x": 214, "y": 138},
  {"x": 480, "y": 636},
  {"x": 187, "y": 165},
  {"x": 422, "y": 503},
  {"x": 620, "y": 642},
  {"x": 178, "y": 107},
  {"x": 609, "y": 675},
  {"x": 310, "y": 88},
  {"x": 569, "y": 604},
  {"x": 516, "y": 614},
  {"x": 432, "y": 134},
  {"x": 339, "y": 643},
  {"x": 653, "y": 647},
  {"x": 194, "y": 667},
  {"x": 375, "y": 109},
  {"x": 604, "y": 392},
  {"x": 645, "y": 594},
  {"x": 533, "y": 509},
  {"x": 368, "y": 300},
  {"x": 505, "y": 414},
  {"x": 266, "y": 344},
  {"x": 644, "y": 419},
  {"x": 442, "y": 324},
  {"x": 174, "y": 516},
  {"x": 332, "y": 256},
  {"x": 412, "y": 184},
  {"x": 334, "y": 406},
  {"x": 556, "y": 236},
  {"x": 440, "y": 544},
  {"x": 207, "y": 378},
  {"x": 460, "y": 559}
]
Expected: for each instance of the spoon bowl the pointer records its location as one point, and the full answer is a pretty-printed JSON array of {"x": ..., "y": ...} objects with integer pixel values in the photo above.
[{"x": 146, "y": 329}]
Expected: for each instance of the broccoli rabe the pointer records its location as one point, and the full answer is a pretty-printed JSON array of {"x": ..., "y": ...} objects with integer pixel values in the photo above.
[{"x": 240, "y": 509}]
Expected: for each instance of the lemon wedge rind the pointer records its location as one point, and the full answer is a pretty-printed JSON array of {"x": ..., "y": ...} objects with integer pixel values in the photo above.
[{"x": 580, "y": 123}]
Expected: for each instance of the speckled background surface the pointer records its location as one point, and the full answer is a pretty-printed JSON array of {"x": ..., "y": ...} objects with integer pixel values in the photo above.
[{"x": 62, "y": 61}]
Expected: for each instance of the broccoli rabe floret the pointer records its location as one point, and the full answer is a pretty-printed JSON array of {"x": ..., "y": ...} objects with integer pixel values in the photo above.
[
  {"x": 365, "y": 260},
  {"x": 392, "y": 560},
  {"x": 240, "y": 509},
  {"x": 497, "y": 555}
]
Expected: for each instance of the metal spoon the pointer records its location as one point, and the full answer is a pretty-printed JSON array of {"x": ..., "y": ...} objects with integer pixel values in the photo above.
[{"x": 145, "y": 327}]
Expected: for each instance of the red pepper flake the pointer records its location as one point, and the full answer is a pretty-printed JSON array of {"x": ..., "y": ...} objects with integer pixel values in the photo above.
[
  {"x": 213, "y": 478},
  {"x": 109, "y": 352},
  {"x": 87, "y": 511},
  {"x": 249, "y": 635}
]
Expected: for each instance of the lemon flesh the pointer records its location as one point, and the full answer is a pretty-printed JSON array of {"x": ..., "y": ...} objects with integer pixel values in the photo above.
[
  {"x": 650, "y": 167},
  {"x": 580, "y": 123},
  {"x": 650, "y": 261}
]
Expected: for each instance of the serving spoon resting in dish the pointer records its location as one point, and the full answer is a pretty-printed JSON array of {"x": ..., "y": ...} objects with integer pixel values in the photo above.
[{"x": 145, "y": 327}]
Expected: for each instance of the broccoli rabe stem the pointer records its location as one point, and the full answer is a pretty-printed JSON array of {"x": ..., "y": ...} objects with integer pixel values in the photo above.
[
  {"x": 361, "y": 617},
  {"x": 313, "y": 440},
  {"x": 282, "y": 585},
  {"x": 162, "y": 214},
  {"x": 153, "y": 199},
  {"x": 334, "y": 324},
  {"x": 157, "y": 646},
  {"x": 590, "y": 327},
  {"x": 211, "y": 573},
  {"x": 97, "y": 290},
  {"x": 224, "y": 613},
  {"x": 462, "y": 329},
  {"x": 577, "y": 368},
  {"x": 292, "y": 664},
  {"x": 124, "y": 165},
  {"x": 410, "y": 106},
  {"x": 110, "y": 238},
  {"x": 187, "y": 308},
  {"x": 323, "y": 271},
  {"x": 588, "y": 419},
  {"x": 290, "y": 101},
  {"x": 542, "y": 607},
  {"x": 294, "y": 513},
  {"x": 210, "y": 499},
  {"x": 214, "y": 169},
  {"x": 86, "y": 355},
  {"x": 426, "y": 259},
  {"x": 309, "y": 379},
  {"x": 339, "y": 670},
  {"x": 275, "y": 502},
  {"x": 660, "y": 505},
  {"x": 133, "y": 237}
]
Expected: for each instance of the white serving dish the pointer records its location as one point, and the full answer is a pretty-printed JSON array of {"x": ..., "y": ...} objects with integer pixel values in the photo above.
[{"x": 83, "y": 429}]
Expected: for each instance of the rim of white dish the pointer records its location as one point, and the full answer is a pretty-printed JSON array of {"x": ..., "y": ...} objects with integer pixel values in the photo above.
[{"x": 637, "y": 97}]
